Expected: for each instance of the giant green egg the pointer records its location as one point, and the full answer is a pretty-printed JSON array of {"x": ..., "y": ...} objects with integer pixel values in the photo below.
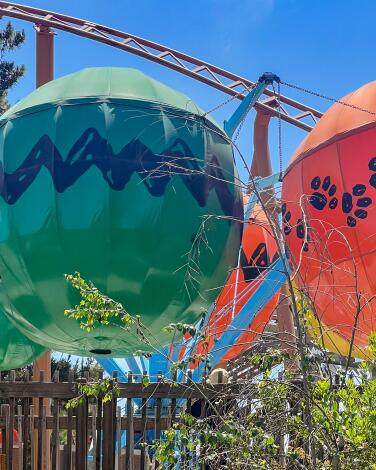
[
  {"x": 115, "y": 175},
  {"x": 16, "y": 350}
]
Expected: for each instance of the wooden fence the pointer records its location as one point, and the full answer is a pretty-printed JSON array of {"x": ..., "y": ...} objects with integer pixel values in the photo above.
[{"x": 38, "y": 432}]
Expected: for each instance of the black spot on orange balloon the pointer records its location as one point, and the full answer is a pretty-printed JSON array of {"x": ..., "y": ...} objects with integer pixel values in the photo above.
[
  {"x": 372, "y": 167},
  {"x": 300, "y": 229},
  {"x": 286, "y": 217},
  {"x": 316, "y": 182},
  {"x": 326, "y": 183},
  {"x": 347, "y": 202},
  {"x": 359, "y": 189},
  {"x": 258, "y": 261},
  {"x": 333, "y": 203},
  {"x": 361, "y": 213},
  {"x": 364, "y": 202},
  {"x": 319, "y": 199},
  {"x": 351, "y": 221},
  {"x": 372, "y": 164},
  {"x": 303, "y": 234}
]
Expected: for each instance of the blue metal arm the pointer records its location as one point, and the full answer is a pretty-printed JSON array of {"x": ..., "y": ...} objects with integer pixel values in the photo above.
[
  {"x": 249, "y": 101},
  {"x": 271, "y": 284}
]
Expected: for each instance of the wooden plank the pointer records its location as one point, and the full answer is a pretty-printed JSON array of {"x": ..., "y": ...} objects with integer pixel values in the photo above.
[
  {"x": 61, "y": 390},
  {"x": 118, "y": 438},
  {"x": 81, "y": 433},
  {"x": 173, "y": 402},
  {"x": 55, "y": 429},
  {"x": 114, "y": 414},
  {"x": 93, "y": 427},
  {"x": 66, "y": 391},
  {"x": 45, "y": 439},
  {"x": 69, "y": 427},
  {"x": 10, "y": 434},
  {"x": 12, "y": 405},
  {"x": 20, "y": 441},
  {"x": 129, "y": 449},
  {"x": 3, "y": 431},
  {"x": 8, "y": 451},
  {"x": 99, "y": 435},
  {"x": 172, "y": 413},
  {"x": 26, "y": 402},
  {"x": 158, "y": 413},
  {"x": 184, "y": 451},
  {"x": 143, "y": 428},
  {"x": 108, "y": 450},
  {"x": 32, "y": 436},
  {"x": 39, "y": 455}
]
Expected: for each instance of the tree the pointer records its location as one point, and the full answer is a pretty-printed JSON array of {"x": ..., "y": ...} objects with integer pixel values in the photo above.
[
  {"x": 301, "y": 419},
  {"x": 10, "y": 73},
  {"x": 78, "y": 368}
]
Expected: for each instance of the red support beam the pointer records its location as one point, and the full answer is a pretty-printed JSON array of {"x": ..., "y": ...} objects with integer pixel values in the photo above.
[
  {"x": 262, "y": 166},
  {"x": 44, "y": 55},
  {"x": 44, "y": 74}
]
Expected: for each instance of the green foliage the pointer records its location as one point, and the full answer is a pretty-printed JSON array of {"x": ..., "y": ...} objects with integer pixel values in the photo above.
[
  {"x": 105, "y": 389},
  {"x": 265, "y": 362},
  {"x": 10, "y": 73},
  {"x": 296, "y": 421},
  {"x": 337, "y": 424},
  {"x": 95, "y": 309},
  {"x": 182, "y": 328},
  {"x": 345, "y": 421}
]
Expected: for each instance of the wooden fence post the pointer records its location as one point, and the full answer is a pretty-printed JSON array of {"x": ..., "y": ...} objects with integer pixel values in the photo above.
[
  {"x": 143, "y": 428},
  {"x": 81, "y": 432},
  {"x": 108, "y": 445},
  {"x": 68, "y": 447},
  {"x": 129, "y": 450},
  {"x": 56, "y": 429}
]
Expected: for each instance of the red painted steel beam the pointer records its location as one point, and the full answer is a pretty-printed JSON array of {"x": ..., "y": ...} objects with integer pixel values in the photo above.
[
  {"x": 215, "y": 77},
  {"x": 44, "y": 55}
]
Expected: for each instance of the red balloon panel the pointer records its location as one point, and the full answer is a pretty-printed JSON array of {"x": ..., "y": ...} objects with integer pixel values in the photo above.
[{"x": 334, "y": 189}]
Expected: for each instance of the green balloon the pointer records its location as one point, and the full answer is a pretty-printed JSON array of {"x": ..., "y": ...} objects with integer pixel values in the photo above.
[
  {"x": 115, "y": 175},
  {"x": 16, "y": 350}
]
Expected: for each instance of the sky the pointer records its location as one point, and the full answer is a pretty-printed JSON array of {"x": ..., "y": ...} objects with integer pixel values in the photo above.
[{"x": 325, "y": 46}]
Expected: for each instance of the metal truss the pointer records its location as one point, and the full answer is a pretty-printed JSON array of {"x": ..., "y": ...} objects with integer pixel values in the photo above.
[{"x": 291, "y": 111}]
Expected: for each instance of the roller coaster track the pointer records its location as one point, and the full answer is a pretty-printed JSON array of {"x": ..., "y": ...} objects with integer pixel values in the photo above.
[{"x": 291, "y": 111}]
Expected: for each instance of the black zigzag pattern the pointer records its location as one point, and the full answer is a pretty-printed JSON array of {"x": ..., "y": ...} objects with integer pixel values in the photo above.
[{"x": 155, "y": 170}]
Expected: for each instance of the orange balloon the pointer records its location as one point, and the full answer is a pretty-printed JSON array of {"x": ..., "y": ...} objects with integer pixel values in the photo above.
[
  {"x": 258, "y": 251},
  {"x": 329, "y": 215}
]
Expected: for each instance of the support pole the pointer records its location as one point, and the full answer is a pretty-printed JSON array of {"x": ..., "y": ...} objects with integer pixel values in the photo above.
[
  {"x": 262, "y": 166},
  {"x": 261, "y": 162},
  {"x": 44, "y": 55},
  {"x": 44, "y": 74}
]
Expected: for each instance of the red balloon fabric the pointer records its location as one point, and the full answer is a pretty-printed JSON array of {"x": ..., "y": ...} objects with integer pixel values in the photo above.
[{"x": 329, "y": 215}]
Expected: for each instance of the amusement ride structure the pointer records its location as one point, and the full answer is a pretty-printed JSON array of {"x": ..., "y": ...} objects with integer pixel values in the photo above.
[{"x": 250, "y": 295}]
